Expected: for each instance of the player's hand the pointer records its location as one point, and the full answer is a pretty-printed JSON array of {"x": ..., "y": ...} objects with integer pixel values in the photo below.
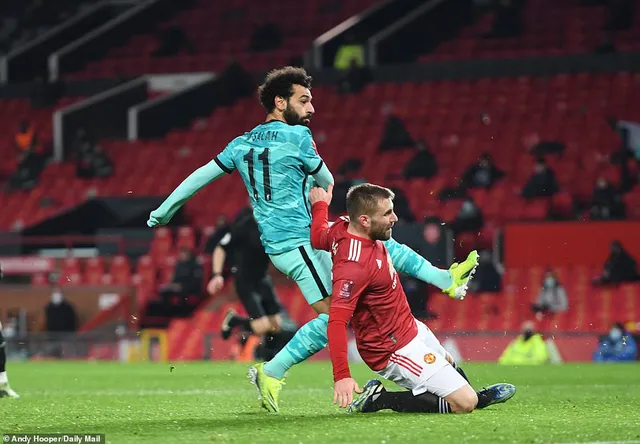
[
  {"x": 318, "y": 194},
  {"x": 215, "y": 285},
  {"x": 153, "y": 221},
  {"x": 343, "y": 391}
]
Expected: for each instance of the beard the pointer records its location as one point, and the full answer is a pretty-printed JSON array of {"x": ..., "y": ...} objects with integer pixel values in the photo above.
[
  {"x": 380, "y": 232},
  {"x": 292, "y": 118}
]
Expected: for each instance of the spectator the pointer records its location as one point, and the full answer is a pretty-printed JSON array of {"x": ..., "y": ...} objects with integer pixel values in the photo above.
[
  {"x": 527, "y": 349},
  {"x": 552, "y": 296},
  {"x": 487, "y": 278},
  {"x": 187, "y": 278},
  {"x": 60, "y": 315},
  {"x": 619, "y": 267},
  {"x": 481, "y": 175},
  {"x": 237, "y": 80},
  {"x": 469, "y": 217},
  {"x": 395, "y": 135},
  {"x": 606, "y": 202},
  {"x": 423, "y": 164},
  {"x": 354, "y": 79},
  {"x": 60, "y": 319},
  {"x": 91, "y": 161},
  {"x": 349, "y": 55},
  {"x": 265, "y": 37},
  {"x": 26, "y": 139},
  {"x": 171, "y": 41},
  {"x": 542, "y": 182},
  {"x": 617, "y": 346},
  {"x": 30, "y": 161}
]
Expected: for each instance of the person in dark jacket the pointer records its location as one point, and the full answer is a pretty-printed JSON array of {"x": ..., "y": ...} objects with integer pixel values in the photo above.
[
  {"x": 187, "y": 277},
  {"x": 606, "y": 202},
  {"x": 422, "y": 164},
  {"x": 619, "y": 267},
  {"x": 487, "y": 278},
  {"x": 481, "y": 175},
  {"x": 542, "y": 183}
]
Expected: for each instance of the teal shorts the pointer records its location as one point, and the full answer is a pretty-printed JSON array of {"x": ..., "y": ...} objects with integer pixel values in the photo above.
[{"x": 310, "y": 268}]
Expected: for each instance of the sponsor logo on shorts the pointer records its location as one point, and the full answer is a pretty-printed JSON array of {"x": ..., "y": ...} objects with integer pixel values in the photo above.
[
  {"x": 345, "y": 289},
  {"x": 429, "y": 358}
]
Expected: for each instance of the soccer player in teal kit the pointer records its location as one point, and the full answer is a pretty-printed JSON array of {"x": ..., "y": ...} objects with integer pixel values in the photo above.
[{"x": 276, "y": 159}]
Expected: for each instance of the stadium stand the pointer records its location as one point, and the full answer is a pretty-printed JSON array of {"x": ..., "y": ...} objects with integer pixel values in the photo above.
[
  {"x": 220, "y": 32},
  {"x": 550, "y": 27},
  {"x": 460, "y": 120}
]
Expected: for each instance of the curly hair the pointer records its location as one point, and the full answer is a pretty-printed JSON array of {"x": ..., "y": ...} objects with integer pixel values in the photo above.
[{"x": 279, "y": 82}]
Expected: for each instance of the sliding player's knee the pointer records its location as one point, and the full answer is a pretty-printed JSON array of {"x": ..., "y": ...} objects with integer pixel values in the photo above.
[{"x": 463, "y": 400}]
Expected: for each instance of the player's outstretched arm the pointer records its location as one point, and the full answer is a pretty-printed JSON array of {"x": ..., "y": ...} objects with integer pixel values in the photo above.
[
  {"x": 350, "y": 282},
  {"x": 344, "y": 384},
  {"x": 320, "y": 199},
  {"x": 409, "y": 262},
  {"x": 190, "y": 186}
]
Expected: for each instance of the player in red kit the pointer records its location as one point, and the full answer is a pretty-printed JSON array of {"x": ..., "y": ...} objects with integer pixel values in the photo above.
[{"x": 367, "y": 292}]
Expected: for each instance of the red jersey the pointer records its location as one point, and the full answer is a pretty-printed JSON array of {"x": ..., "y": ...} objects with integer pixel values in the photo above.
[{"x": 366, "y": 291}]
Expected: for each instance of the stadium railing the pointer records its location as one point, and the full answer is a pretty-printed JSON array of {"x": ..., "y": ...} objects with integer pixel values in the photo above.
[
  {"x": 30, "y": 60},
  {"x": 156, "y": 117},
  {"x": 384, "y": 47},
  {"x": 94, "y": 44},
  {"x": 362, "y": 25},
  {"x": 103, "y": 115}
]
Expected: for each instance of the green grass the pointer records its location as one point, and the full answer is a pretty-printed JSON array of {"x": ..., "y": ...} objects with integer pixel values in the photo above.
[{"x": 214, "y": 402}]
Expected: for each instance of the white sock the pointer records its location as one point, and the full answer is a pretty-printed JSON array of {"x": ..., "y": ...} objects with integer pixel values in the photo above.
[{"x": 3, "y": 378}]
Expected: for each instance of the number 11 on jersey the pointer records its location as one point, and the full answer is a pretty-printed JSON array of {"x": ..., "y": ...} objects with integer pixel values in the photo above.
[{"x": 266, "y": 175}]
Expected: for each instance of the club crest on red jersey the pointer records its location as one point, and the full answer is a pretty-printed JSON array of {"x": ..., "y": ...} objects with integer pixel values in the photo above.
[{"x": 345, "y": 289}]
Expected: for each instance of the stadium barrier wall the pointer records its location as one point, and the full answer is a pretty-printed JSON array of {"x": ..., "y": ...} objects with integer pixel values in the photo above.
[
  {"x": 382, "y": 13},
  {"x": 86, "y": 299},
  {"x": 95, "y": 44},
  {"x": 531, "y": 66},
  {"x": 155, "y": 118},
  {"x": 30, "y": 60},
  {"x": 104, "y": 116},
  {"x": 567, "y": 243},
  {"x": 419, "y": 31}
]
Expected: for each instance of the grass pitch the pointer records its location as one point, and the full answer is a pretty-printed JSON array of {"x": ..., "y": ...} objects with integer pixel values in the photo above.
[{"x": 214, "y": 402}]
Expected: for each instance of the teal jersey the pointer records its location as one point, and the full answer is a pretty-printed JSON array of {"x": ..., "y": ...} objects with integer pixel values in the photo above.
[{"x": 275, "y": 161}]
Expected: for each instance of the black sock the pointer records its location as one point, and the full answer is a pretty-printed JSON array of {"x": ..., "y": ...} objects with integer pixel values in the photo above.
[
  {"x": 3, "y": 353},
  {"x": 406, "y": 402},
  {"x": 484, "y": 397},
  {"x": 240, "y": 321}
]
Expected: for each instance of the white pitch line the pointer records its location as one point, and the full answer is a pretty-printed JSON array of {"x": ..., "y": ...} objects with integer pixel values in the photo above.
[
  {"x": 161, "y": 392},
  {"x": 602, "y": 442}
]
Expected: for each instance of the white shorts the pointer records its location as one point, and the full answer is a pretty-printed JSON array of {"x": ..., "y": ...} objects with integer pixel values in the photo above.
[{"x": 420, "y": 366}]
